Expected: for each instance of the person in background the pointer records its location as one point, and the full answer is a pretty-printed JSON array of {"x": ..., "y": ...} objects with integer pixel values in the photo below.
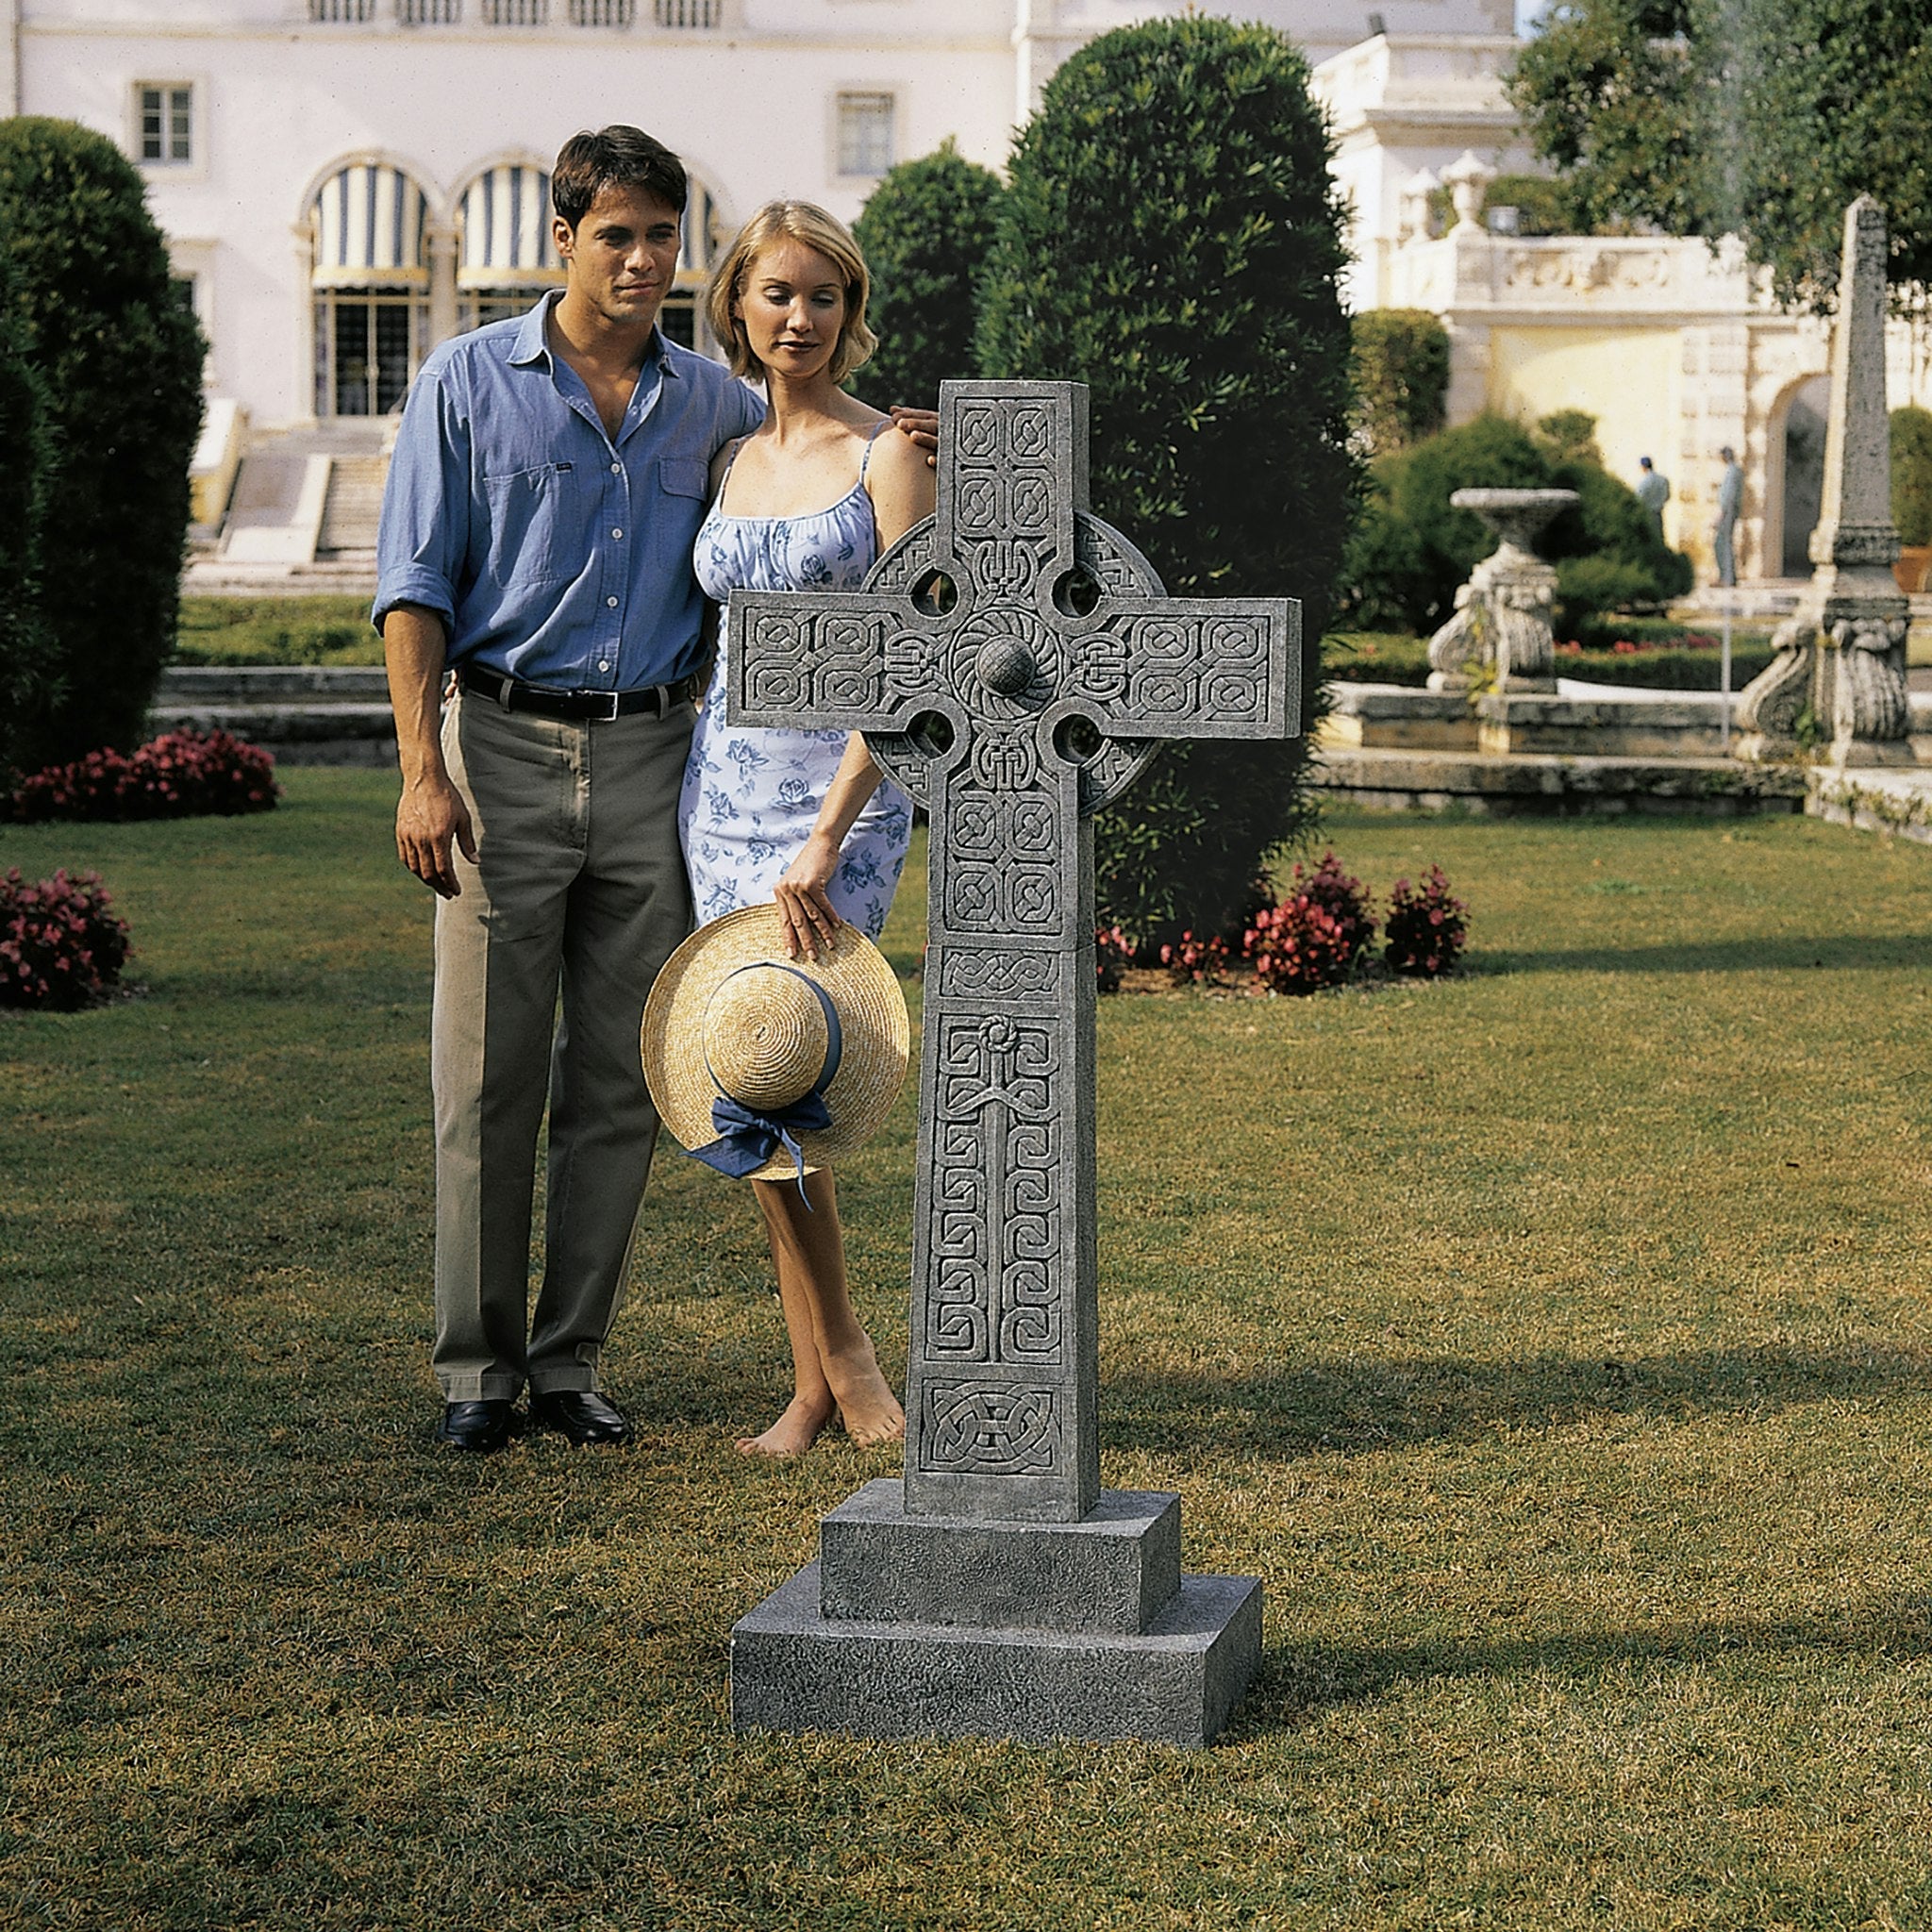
[
  {"x": 1731, "y": 507},
  {"x": 1653, "y": 492}
]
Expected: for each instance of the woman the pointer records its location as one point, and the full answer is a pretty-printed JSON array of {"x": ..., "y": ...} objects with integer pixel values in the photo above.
[{"x": 807, "y": 502}]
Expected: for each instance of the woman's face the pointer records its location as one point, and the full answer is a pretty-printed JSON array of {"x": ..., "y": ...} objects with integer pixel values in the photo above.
[{"x": 792, "y": 304}]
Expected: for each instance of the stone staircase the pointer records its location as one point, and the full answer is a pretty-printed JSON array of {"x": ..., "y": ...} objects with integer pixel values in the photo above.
[
  {"x": 304, "y": 714},
  {"x": 353, "y": 506}
]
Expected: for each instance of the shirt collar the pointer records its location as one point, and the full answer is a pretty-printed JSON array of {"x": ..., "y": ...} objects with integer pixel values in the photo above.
[{"x": 533, "y": 342}]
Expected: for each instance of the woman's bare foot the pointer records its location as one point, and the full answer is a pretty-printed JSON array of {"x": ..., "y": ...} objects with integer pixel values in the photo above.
[
  {"x": 793, "y": 1433},
  {"x": 867, "y": 1406}
]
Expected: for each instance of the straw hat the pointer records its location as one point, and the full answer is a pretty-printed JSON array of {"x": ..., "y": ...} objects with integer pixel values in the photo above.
[{"x": 731, "y": 1014}]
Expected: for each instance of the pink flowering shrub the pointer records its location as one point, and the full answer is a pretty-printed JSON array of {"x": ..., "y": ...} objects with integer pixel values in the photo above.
[
  {"x": 1426, "y": 928},
  {"x": 181, "y": 775},
  {"x": 1342, "y": 899},
  {"x": 1114, "y": 953},
  {"x": 1299, "y": 946},
  {"x": 60, "y": 945},
  {"x": 1192, "y": 961}
]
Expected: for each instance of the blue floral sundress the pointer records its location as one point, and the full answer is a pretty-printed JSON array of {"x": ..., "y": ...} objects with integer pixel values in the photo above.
[{"x": 751, "y": 796}]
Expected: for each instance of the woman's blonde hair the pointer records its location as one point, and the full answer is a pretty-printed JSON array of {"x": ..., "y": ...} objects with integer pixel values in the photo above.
[{"x": 803, "y": 221}]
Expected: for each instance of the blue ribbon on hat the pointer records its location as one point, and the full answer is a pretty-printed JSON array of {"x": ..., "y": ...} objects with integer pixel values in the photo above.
[{"x": 747, "y": 1138}]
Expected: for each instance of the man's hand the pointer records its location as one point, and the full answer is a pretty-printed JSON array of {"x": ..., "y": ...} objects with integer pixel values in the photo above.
[
  {"x": 431, "y": 817},
  {"x": 923, "y": 426}
]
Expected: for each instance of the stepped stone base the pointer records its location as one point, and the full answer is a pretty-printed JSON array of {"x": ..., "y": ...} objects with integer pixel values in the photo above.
[{"x": 794, "y": 1669}]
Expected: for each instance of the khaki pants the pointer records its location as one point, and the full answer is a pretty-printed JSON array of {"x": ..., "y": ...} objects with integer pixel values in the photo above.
[{"x": 579, "y": 888}]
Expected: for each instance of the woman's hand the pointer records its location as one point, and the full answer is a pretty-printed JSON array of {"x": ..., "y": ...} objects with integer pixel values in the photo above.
[{"x": 809, "y": 920}]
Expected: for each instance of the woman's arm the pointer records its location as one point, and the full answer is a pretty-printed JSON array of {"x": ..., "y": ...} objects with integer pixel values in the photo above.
[{"x": 903, "y": 491}]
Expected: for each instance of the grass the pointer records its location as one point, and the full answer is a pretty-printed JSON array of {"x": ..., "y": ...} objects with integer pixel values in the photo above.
[
  {"x": 1554, "y": 1341},
  {"x": 277, "y": 630}
]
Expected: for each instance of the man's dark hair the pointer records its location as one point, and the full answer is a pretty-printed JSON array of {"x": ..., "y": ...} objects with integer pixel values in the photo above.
[{"x": 619, "y": 156}]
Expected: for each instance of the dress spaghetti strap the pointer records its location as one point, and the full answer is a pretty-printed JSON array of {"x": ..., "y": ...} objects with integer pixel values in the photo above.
[
  {"x": 724, "y": 481},
  {"x": 884, "y": 423}
]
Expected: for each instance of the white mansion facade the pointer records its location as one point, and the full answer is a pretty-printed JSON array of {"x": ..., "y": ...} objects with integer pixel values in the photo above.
[{"x": 344, "y": 183}]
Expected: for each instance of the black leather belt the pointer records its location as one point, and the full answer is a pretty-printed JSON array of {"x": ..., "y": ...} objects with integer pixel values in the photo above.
[{"x": 599, "y": 706}]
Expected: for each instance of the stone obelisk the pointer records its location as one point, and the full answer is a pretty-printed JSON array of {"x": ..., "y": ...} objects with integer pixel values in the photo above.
[{"x": 1841, "y": 655}]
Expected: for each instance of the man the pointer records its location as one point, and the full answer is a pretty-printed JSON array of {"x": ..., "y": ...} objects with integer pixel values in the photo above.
[
  {"x": 1653, "y": 492},
  {"x": 1731, "y": 507},
  {"x": 549, "y": 478}
]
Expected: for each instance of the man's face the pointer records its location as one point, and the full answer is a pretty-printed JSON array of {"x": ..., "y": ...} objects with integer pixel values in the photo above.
[{"x": 622, "y": 256}]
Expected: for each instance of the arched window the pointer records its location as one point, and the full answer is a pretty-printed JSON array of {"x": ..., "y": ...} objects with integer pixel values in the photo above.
[
  {"x": 682, "y": 318},
  {"x": 370, "y": 284},
  {"x": 506, "y": 256}
]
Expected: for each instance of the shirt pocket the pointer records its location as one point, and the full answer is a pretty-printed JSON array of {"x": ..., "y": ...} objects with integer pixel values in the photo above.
[
  {"x": 530, "y": 537},
  {"x": 684, "y": 476}
]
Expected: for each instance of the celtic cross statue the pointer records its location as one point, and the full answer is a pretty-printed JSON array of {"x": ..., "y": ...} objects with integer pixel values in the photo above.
[{"x": 1014, "y": 665}]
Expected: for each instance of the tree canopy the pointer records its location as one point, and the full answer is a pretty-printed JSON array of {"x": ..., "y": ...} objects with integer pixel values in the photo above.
[{"x": 1759, "y": 118}]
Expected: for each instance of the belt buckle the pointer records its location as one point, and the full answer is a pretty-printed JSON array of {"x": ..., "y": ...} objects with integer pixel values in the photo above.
[{"x": 605, "y": 700}]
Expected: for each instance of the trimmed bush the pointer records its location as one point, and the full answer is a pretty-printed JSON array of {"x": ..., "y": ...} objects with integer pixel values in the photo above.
[
  {"x": 1542, "y": 206},
  {"x": 1401, "y": 363},
  {"x": 182, "y": 775},
  {"x": 1911, "y": 473},
  {"x": 60, "y": 945},
  {"x": 927, "y": 230},
  {"x": 1411, "y": 549},
  {"x": 1172, "y": 238},
  {"x": 1426, "y": 927},
  {"x": 30, "y": 681},
  {"x": 120, "y": 357}
]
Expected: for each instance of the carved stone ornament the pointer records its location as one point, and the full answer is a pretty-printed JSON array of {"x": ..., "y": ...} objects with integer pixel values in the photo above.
[
  {"x": 1014, "y": 664},
  {"x": 1501, "y": 635}
]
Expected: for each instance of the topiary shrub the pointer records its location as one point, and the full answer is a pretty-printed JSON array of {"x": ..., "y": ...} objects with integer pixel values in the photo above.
[
  {"x": 29, "y": 679},
  {"x": 1401, "y": 366},
  {"x": 60, "y": 945},
  {"x": 1172, "y": 238},
  {"x": 1412, "y": 549},
  {"x": 1911, "y": 473},
  {"x": 120, "y": 357},
  {"x": 927, "y": 230},
  {"x": 181, "y": 775}
]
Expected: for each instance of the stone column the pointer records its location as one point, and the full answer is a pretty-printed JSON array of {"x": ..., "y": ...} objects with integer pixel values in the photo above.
[{"x": 1842, "y": 656}]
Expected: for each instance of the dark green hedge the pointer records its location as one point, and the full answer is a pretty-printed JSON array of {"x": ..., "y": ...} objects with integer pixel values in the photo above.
[
  {"x": 927, "y": 230},
  {"x": 120, "y": 357},
  {"x": 1411, "y": 549},
  {"x": 1172, "y": 238}
]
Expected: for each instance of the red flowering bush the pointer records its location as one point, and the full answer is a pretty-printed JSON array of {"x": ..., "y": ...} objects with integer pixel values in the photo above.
[
  {"x": 1192, "y": 961},
  {"x": 1342, "y": 899},
  {"x": 182, "y": 775},
  {"x": 1114, "y": 953},
  {"x": 1426, "y": 928},
  {"x": 1300, "y": 946},
  {"x": 60, "y": 945}
]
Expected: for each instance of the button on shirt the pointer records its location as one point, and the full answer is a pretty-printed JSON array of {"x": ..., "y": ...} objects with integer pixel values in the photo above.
[{"x": 554, "y": 553}]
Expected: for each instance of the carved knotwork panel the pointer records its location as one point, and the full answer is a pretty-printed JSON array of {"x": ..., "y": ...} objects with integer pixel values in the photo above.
[
  {"x": 990, "y": 1428},
  {"x": 998, "y": 1187}
]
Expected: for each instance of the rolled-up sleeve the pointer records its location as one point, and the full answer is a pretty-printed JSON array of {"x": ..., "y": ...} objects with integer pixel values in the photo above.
[{"x": 425, "y": 529}]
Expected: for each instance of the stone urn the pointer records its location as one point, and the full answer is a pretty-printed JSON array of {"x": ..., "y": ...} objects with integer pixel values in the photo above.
[{"x": 1501, "y": 637}]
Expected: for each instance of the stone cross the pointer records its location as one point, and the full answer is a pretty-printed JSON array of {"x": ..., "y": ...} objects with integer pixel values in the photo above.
[{"x": 1014, "y": 665}]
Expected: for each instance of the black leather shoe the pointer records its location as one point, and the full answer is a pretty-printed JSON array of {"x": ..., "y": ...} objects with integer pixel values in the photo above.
[
  {"x": 581, "y": 1415},
  {"x": 477, "y": 1426}
]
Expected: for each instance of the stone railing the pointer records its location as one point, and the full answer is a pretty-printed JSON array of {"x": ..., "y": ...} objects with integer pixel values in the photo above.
[{"x": 1470, "y": 268}]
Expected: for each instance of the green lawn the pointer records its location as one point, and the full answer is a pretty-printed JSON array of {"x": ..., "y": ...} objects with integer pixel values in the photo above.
[{"x": 1554, "y": 1343}]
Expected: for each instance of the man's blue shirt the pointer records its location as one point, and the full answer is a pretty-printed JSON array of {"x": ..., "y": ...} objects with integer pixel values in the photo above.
[{"x": 555, "y": 554}]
